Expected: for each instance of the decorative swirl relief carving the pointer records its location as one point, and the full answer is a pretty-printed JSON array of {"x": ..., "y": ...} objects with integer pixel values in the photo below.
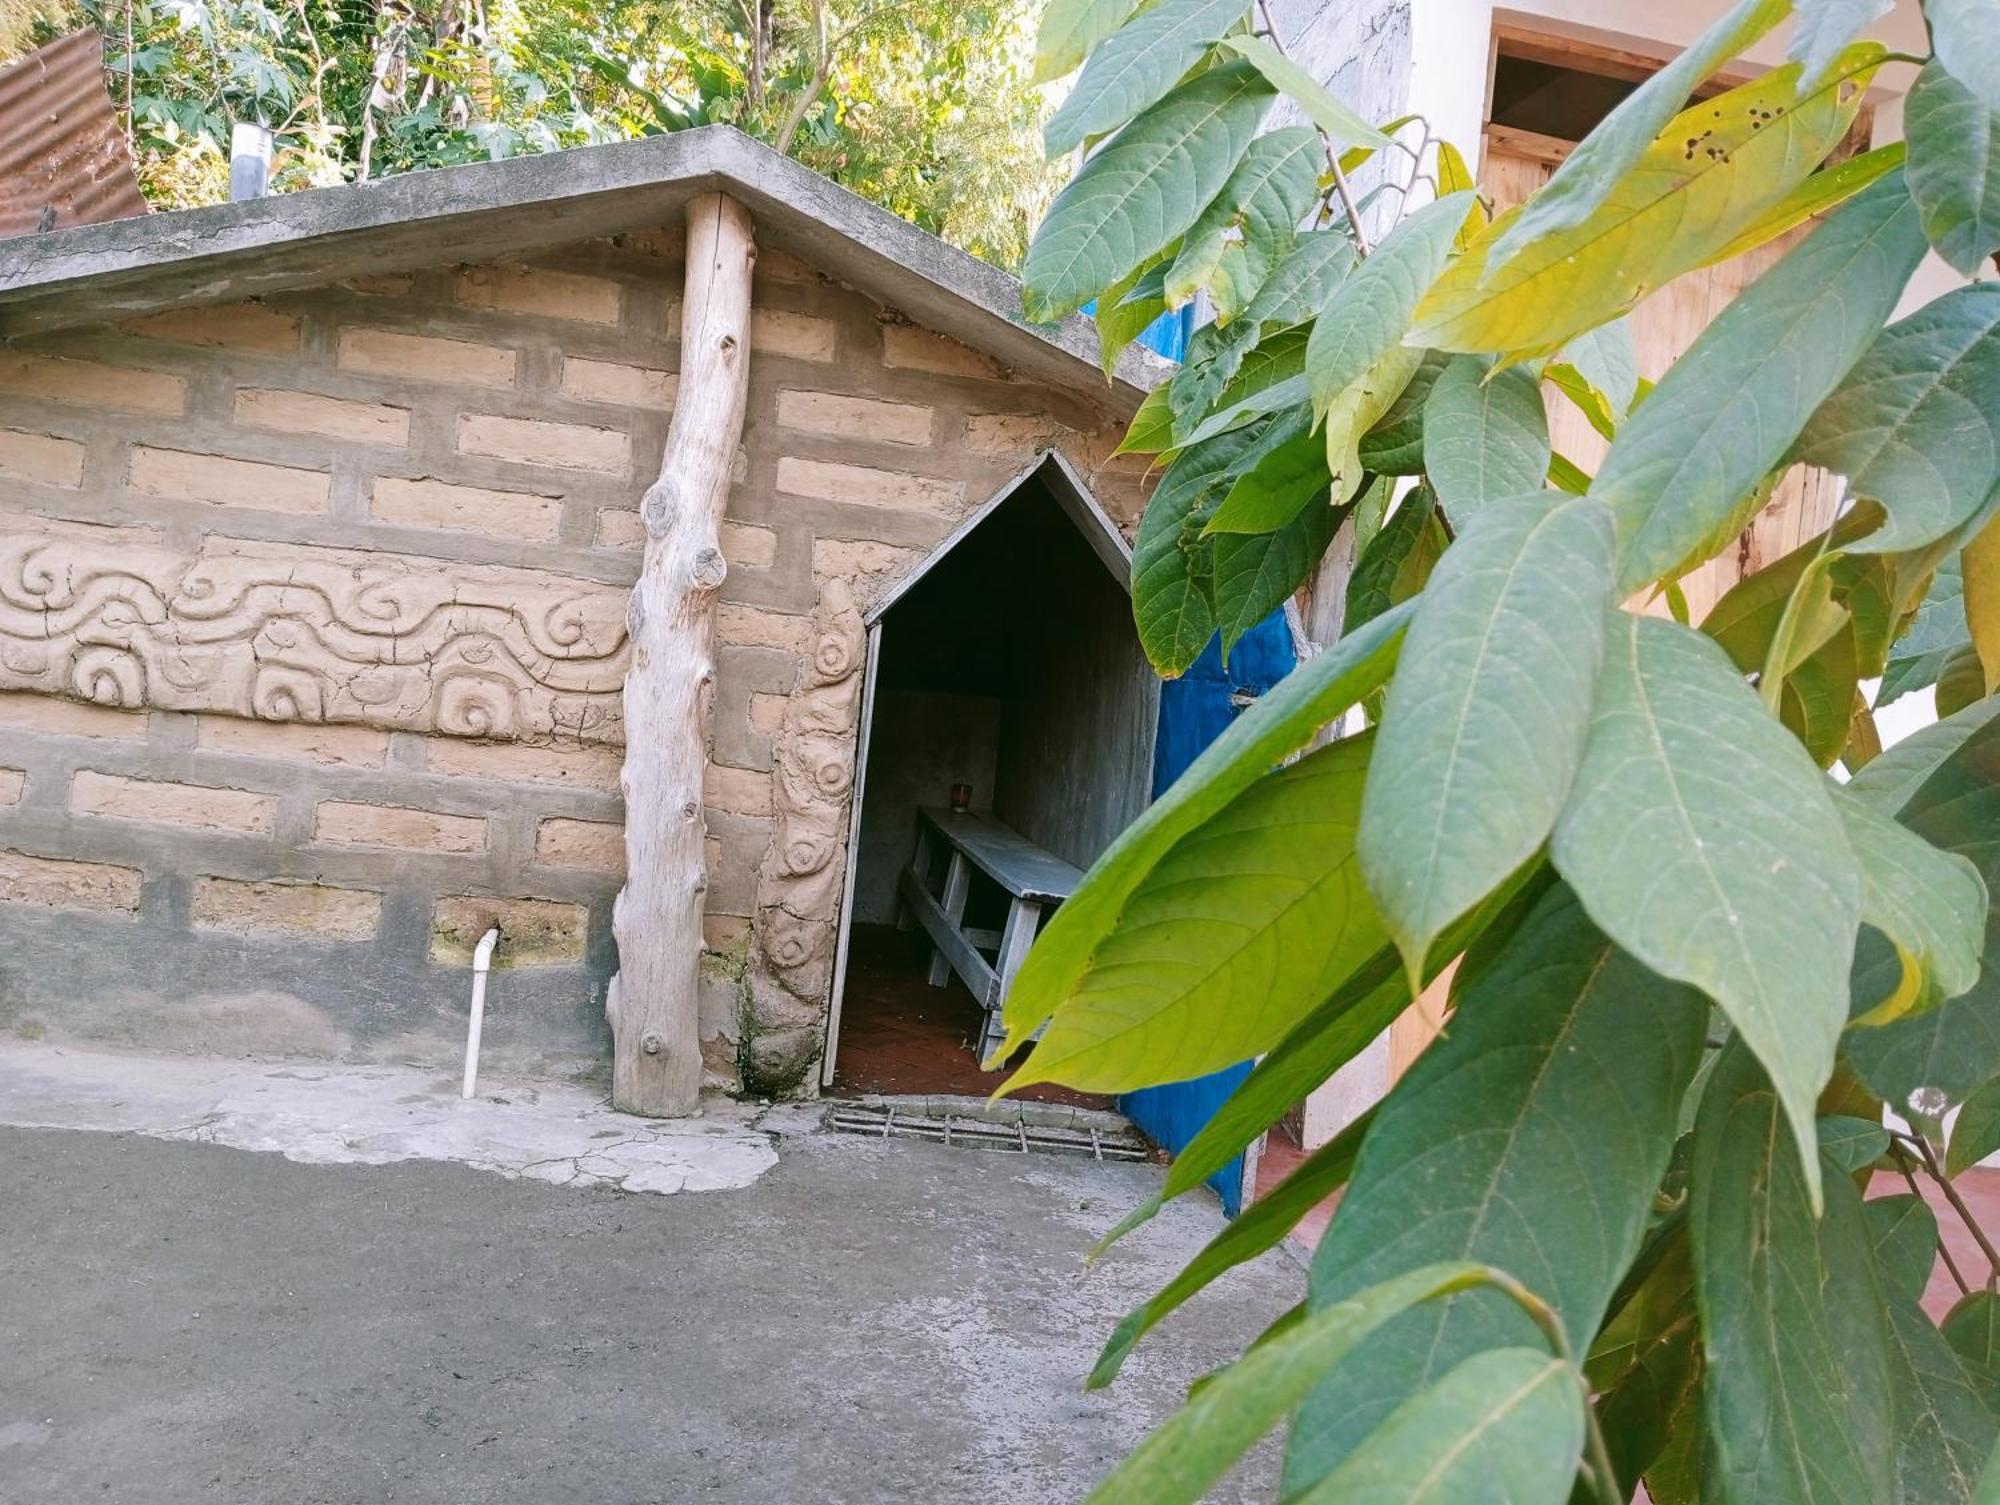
[
  {"x": 799, "y": 882},
  {"x": 293, "y": 632}
]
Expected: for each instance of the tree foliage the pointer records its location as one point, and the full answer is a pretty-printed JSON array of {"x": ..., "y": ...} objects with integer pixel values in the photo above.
[
  {"x": 921, "y": 105},
  {"x": 1611, "y": 1227}
]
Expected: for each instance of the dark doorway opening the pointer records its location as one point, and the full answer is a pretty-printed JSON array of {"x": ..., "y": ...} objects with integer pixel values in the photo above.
[{"x": 1006, "y": 668}]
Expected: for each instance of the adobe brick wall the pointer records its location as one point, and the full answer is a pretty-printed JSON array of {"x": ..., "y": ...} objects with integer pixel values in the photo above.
[{"x": 344, "y": 574}]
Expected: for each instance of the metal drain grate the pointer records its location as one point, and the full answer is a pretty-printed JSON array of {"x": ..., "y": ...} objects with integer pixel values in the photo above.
[{"x": 1016, "y": 1137}]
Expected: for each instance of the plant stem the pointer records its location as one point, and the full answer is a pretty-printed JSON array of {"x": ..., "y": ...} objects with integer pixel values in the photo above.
[
  {"x": 1923, "y": 1149},
  {"x": 1603, "y": 1477},
  {"x": 1347, "y": 201},
  {"x": 1340, "y": 185},
  {"x": 1950, "y": 1264}
]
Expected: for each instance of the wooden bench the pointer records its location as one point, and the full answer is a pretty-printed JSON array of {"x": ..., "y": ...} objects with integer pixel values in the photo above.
[{"x": 1033, "y": 879}]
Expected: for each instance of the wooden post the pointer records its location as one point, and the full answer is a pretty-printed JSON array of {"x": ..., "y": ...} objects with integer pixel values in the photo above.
[{"x": 653, "y": 1004}]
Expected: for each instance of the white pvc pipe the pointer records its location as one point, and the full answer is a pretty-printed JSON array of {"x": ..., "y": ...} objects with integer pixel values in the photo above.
[{"x": 482, "y": 958}]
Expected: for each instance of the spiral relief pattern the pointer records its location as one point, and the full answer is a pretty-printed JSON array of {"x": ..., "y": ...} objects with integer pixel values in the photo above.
[
  {"x": 300, "y": 633},
  {"x": 798, "y": 885}
]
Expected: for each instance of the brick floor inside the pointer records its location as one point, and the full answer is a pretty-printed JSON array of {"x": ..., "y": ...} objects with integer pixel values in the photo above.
[{"x": 901, "y": 1036}]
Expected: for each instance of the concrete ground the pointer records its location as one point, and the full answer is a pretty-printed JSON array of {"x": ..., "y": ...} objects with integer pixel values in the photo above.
[{"x": 867, "y": 1320}]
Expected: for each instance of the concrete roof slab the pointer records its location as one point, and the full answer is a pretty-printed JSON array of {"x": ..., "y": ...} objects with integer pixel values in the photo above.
[{"x": 492, "y": 210}]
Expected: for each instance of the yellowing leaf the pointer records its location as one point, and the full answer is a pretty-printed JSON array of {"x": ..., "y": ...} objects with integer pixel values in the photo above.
[
  {"x": 1980, "y": 566},
  {"x": 1454, "y": 177},
  {"x": 1357, "y": 410},
  {"x": 1825, "y": 190},
  {"x": 1152, "y": 428},
  {"x": 1069, "y": 29},
  {"x": 1717, "y": 169}
]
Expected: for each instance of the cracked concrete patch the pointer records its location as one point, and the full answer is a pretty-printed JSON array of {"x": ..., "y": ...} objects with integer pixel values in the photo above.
[{"x": 377, "y": 1115}]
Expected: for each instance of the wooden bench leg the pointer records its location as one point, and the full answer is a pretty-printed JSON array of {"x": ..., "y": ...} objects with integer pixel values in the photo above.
[
  {"x": 921, "y": 858},
  {"x": 1023, "y": 921},
  {"x": 957, "y": 882}
]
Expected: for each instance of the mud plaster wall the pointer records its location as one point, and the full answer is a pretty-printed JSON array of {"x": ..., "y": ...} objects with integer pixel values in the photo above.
[{"x": 311, "y": 637}]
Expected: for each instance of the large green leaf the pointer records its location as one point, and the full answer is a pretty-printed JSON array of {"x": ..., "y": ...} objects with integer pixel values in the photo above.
[
  {"x": 1729, "y": 408},
  {"x": 1531, "y": 1136},
  {"x": 1702, "y": 839},
  {"x": 1954, "y": 1049},
  {"x": 1262, "y": 203},
  {"x": 1891, "y": 779},
  {"x": 1396, "y": 562},
  {"x": 1201, "y": 1442},
  {"x": 1260, "y": 1226},
  {"x": 1151, "y": 431},
  {"x": 1826, "y": 26},
  {"x": 1976, "y": 1132},
  {"x": 1485, "y": 724},
  {"x": 1486, "y": 436},
  {"x": 1934, "y": 637},
  {"x": 1143, "y": 190},
  {"x": 1797, "y": 1392},
  {"x": 1243, "y": 926},
  {"x": 1966, "y": 34},
  {"x": 1505, "y": 1425},
  {"x": 1135, "y": 66},
  {"x": 1070, "y": 29},
  {"x": 1279, "y": 724},
  {"x": 1268, "y": 379},
  {"x": 1355, "y": 411},
  {"x": 1122, "y": 316},
  {"x": 1303, "y": 280},
  {"x": 1608, "y": 360},
  {"x": 1944, "y": 1430},
  {"x": 1255, "y": 573},
  {"x": 1171, "y": 563},
  {"x": 1301, "y": 283},
  {"x": 1903, "y": 1232},
  {"x": 1395, "y": 446},
  {"x": 1370, "y": 311},
  {"x": 1619, "y": 142},
  {"x": 1916, "y": 423},
  {"x": 1326, "y": 112},
  {"x": 1283, "y": 473},
  {"x": 1352, "y": 1018},
  {"x": 1954, "y": 167},
  {"x": 1932, "y": 904},
  {"x": 1972, "y": 1327},
  {"x": 1715, "y": 170}
]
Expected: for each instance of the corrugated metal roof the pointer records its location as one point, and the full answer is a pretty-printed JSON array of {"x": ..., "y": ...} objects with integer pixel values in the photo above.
[{"x": 63, "y": 159}]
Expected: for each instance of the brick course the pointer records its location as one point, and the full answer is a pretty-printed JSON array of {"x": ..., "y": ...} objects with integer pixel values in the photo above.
[
  {"x": 340, "y": 823},
  {"x": 157, "y": 802},
  {"x": 463, "y": 425},
  {"x": 309, "y": 911},
  {"x": 42, "y": 458}
]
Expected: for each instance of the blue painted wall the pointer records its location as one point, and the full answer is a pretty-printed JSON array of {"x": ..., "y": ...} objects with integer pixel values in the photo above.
[{"x": 1194, "y": 710}]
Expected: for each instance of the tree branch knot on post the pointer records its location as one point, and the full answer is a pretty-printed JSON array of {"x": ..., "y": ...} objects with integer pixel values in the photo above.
[{"x": 657, "y": 920}]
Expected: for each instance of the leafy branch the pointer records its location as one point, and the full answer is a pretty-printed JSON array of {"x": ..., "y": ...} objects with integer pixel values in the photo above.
[{"x": 1615, "y": 826}]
